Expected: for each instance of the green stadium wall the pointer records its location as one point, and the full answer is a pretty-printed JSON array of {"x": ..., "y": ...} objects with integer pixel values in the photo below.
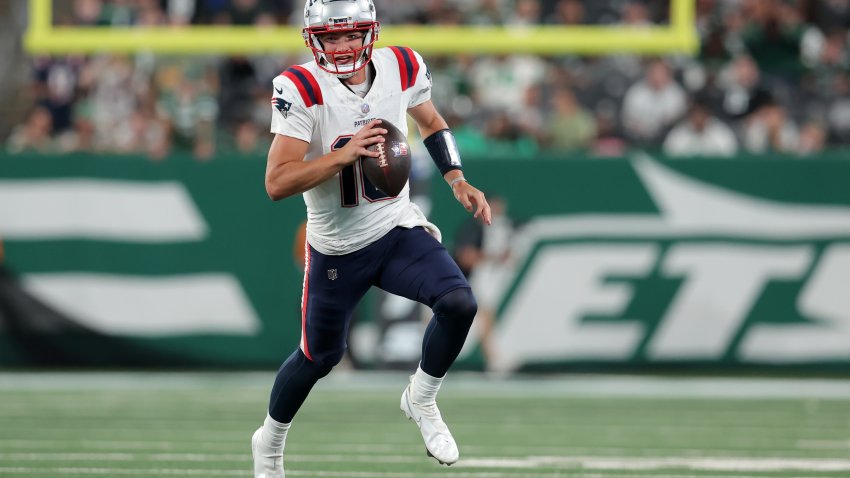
[{"x": 618, "y": 264}]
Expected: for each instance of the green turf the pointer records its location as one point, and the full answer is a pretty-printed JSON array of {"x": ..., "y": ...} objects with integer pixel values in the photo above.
[{"x": 188, "y": 425}]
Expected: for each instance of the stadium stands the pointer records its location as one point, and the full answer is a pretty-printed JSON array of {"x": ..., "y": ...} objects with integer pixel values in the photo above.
[{"x": 775, "y": 72}]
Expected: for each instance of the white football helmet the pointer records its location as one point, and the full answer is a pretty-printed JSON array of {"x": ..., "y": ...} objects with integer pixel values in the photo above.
[{"x": 339, "y": 16}]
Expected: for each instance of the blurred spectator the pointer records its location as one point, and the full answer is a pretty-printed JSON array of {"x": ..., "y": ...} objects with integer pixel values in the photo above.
[
  {"x": 244, "y": 12},
  {"x": 112, "y": 100},
  {"x": 530, "y": 118},
  {"x": 826, "y": 49},
  {"x": 635, "y": 14},
  {"x": 34, "y": 134},
  {"x": 440, "y": 12},
  {"x": 740, "y": 84},
  {"x": 653, "y": 104},
  {"x": 506, "y": 138},
  {"x": 238, "y": 87},
  {"x": 247, "y": 140},
  {"x": 571, "y": 127},
  {"x": 609, "y": 142},
  {"x": 180, "y": 12},
  {"x": 89, "y": 12},
  {"x": 812, "y": 139},
  {"x": 55, "y": 88},
  {"x": 754, "y": 53},
  {"x": 701, "y": 134},
  {"x": 770, "y": 129},
  {"x": 83, "y": 137},
  {"x": 190, "y": 110},
  {"x": 567, "y": 12},
  {"x": 717, "y": 41},
  {"x": 773, "y": 35},
  {"x": 827, "y": 13},
  {"x": 525, "y": 13},
  {"x": 454, "y": 96},
  {"x": 827, "y": 56},
  {"x": 500, "y": 82},
  {"x": 488, "y": 12},
  {"x": 838, "y": 111}
]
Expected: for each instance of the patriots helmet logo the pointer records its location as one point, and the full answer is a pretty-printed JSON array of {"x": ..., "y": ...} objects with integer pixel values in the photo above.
[{"x": 282, "y": 105}]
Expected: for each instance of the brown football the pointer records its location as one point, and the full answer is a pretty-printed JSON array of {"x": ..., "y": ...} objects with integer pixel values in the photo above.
[{"x": 390, "y": 171}]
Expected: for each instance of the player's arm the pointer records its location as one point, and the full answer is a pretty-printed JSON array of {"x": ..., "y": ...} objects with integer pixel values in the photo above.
[
  {"x": 443, "y": 149},
  {"x": 288, "y": 174}
]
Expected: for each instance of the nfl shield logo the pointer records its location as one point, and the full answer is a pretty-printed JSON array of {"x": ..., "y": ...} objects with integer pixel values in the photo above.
[
  {"x": 399, "y": 149},
  {"x": 332, "y": 274},
  {"x": 364, "y": 108}
]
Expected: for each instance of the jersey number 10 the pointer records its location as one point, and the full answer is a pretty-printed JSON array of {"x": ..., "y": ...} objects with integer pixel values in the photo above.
[{"x": 348, "y": 181}]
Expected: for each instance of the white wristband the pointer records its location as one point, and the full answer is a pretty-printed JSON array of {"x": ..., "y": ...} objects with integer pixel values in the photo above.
[{"x": 455, "y": 181}]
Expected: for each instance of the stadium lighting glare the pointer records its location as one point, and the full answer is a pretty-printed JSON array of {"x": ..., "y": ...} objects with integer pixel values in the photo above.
[{"x": 679, "y": 36}]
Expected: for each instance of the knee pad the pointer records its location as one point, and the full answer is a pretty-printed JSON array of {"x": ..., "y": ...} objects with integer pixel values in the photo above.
[
  {"x": 317, "y": 368},
  {"x": 457, "y": 308},
  {"x": 324, "y": 363}
]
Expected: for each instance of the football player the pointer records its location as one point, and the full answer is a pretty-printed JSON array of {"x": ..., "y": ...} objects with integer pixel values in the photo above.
[{"x": 324, "y": 117}]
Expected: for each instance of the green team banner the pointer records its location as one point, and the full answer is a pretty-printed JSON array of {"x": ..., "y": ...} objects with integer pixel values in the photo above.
[{"x": 637, "y": 262}]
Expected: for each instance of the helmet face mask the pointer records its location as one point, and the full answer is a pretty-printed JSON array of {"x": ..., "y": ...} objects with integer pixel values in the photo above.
[{"x": 340, "y": 17}]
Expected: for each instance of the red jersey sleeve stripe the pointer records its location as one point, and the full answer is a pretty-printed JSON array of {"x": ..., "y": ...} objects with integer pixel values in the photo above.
[
  {"x": 404, "y": 69},
  {"x": 302, "y": 90},
  {"x": 307, "y": 86},
  {"x": 317, "y": 91},
  {"x": 411, "y": 60}
]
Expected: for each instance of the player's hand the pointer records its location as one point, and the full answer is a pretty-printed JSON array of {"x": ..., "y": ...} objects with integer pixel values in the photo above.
[
  {"x": 473, "y": 200},
  {"x": 370, "y": 134}
]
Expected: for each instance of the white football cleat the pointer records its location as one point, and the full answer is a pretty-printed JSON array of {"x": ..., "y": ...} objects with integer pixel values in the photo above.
[
  {"x": 439, "y": 442},
  {"x": 268, "y": 462}
]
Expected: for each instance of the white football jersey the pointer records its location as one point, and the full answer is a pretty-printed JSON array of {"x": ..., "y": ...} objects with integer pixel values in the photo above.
[{"x": 347, "y": 212}]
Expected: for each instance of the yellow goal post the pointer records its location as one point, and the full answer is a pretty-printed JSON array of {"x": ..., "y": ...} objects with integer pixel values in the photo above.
[{"x": 677, "y": 37}]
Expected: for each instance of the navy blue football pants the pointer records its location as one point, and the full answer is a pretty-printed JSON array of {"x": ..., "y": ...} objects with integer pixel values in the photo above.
[{"x": 405, "y": 262}]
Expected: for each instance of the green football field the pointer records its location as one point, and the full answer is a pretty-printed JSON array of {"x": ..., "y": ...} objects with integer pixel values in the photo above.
[{"x": 136, "y": 424}]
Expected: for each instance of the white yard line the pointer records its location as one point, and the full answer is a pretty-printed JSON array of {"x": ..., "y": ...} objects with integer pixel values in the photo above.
[
  {"x": 328, "y": 474},
  {"x": 349, "y": 449},
  {"x": 719, "y": 463},
  {"x": 460, "y": 383},
  {"x": 203, "y": 457},
  {"x": 141, "y": 446},
  {"x": 122, "y": 471},
  {"x": 737, "y": 464}
]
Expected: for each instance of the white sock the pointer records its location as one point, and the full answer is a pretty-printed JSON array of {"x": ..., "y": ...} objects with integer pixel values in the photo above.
[
  {"x": 425, "y": 387},
  {"x": 274, "y": 432}
]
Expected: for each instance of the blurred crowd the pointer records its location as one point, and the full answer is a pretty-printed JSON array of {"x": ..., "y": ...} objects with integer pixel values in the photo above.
[{"x": 771, "y": 76}]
